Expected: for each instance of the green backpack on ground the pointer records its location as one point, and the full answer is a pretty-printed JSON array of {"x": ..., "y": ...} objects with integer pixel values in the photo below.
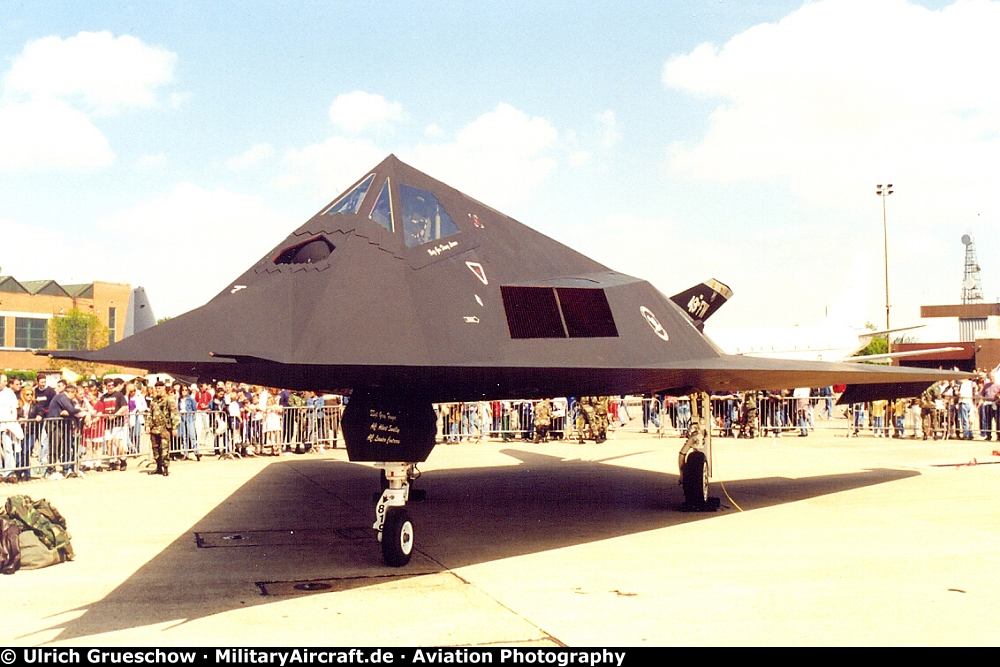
[{"x": 44, "y": 538}]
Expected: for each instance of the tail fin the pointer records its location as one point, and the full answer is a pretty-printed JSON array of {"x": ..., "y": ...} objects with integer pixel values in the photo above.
[
  {"x": 850, "y": 310},
  {"x": 701, "y": 301},
  {"x": 140, "y": 314}
]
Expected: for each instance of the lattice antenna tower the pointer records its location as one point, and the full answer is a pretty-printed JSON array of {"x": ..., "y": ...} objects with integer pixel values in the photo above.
[{"x": 972, "y": 285}]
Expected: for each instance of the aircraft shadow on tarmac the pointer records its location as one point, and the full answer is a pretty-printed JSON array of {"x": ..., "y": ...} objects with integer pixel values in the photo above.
[{"x": 303, "y": 527}]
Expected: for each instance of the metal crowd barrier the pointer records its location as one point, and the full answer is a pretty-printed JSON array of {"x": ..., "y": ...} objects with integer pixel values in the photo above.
[
  {"x": 509, "y": 420},
  {"x": 67, "y": 447},
  {"x": 46, "y": 446},
  {"x": 671, "y": 417},
  {"x": 221, "y": 434}
]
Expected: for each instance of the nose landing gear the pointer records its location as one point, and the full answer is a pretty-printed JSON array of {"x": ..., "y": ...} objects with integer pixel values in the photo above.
[{"x": 392, "y": 521}]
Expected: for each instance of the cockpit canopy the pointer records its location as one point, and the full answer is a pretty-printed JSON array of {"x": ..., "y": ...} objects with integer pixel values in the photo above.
[{"x": 424, "y": 218}]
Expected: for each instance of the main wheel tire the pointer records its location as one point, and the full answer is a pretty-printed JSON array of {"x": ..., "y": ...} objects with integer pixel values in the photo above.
[
  {"x": 397, "y": 537},
  {"x": 696, "y": 478}
]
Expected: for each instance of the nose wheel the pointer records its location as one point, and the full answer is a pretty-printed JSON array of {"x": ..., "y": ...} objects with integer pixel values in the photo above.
[
  {"x": 397, "y": 537},
  {"x": 392, "y": 521}
]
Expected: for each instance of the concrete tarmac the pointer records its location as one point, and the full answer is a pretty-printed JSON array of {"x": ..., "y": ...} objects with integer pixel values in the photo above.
[{"x": 840, "y": 541}]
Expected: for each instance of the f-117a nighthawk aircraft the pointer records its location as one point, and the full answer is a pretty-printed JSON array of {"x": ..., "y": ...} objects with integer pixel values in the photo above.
[{"x": 407, "y": 292}]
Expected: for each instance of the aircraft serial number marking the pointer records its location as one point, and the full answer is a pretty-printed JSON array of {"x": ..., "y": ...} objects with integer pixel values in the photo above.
[{"x": 697, "y": 306}]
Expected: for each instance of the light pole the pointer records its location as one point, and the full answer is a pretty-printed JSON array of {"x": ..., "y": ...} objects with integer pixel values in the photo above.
[{"x": 883, "y": 193}]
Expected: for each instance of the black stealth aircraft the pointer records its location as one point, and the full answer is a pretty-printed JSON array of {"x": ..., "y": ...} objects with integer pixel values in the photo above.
[{"x": 407, "y": 292}]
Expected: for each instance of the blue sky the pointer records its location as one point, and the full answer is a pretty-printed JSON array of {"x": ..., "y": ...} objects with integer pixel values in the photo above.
[{"x": 172, "y": 144}]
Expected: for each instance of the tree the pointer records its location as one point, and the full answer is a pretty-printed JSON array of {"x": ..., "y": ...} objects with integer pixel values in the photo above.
[
  {"x": 77, "y": 330},
  {"x": 877, "y": 345}
]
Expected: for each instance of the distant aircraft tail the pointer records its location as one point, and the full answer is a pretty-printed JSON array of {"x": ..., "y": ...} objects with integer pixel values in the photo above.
[
  {"x": 139, "y": 316},
  {"x": 850, "y": 310},
  {"x": 701, "y": 301}
]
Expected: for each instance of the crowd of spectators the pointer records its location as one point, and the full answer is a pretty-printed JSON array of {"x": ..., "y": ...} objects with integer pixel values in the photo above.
[
  {"x": 53, "y": 431},
  {"x": 67, "y": 429},
  {"x": 947, "y": 410}
]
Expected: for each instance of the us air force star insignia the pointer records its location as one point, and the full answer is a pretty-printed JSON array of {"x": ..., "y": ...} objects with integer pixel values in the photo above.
[{"x": 653, "y": 322}]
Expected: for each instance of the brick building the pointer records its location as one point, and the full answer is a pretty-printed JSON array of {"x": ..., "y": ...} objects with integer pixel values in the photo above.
[{"x": 27, "y": 307}]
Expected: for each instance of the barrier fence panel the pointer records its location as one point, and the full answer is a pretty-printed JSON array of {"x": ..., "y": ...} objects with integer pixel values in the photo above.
[
  {"x": 34, "y": 448},
  {"x": 257, "y": 433},
  {"x": 57, "y": 447},
  {"x": 669, "y": 416}
]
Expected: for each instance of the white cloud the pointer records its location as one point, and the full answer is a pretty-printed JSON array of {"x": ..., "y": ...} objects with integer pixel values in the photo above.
[
  {"x": 76, "y": 259},
  {"x": 106, "y": 74},
  {"x": 613, "y": 242},
  {"x": 843, "y": 94},
  {"x": 253, "y": 157},
  {"x": 55, "y": 85},
  {"x": 610, "y": 134},
  {"x": 434, "y": 131},
  {"x": 48, "y": 134},
  {"x": 507, "y": 131},
  {"x": 355, "y": 112},
  {"x": 186, "y": 247},
  {"x": 148, "y": 161},
  {"x": 498, "y": 158},
  {"x": 179, "y": 99},
  {"x": 327, "y": 169}
]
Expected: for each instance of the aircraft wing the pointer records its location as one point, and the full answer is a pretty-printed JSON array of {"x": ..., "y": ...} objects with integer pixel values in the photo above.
[
  {"x": 490, "y": 382},
  {"x": 900, "y": 355},
  {"x": 867, "y": 335}
]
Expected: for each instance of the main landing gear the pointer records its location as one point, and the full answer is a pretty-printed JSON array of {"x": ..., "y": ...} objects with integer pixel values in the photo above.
[
  {"x": 694, "y": 458},
  {"x": 392, "y": 521}
]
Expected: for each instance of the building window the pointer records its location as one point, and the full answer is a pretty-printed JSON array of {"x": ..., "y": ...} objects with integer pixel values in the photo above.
[
  {"x": 3, "y": 331},
  {"x": 31, "y": 332},
  {"x": 112, "y": 321}
]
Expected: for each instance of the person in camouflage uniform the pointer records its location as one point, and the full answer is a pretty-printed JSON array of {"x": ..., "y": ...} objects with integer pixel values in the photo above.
[
  {"x": 930, "y": 416},
  {"x": 585, "y": 417},
  {"x": 297, "y": 403},
  {"x": 543, "y": 420},
  {"x": 748, "y": 427},
  {"x": 601, "y": 420},
  {"x": 162, "y": 426}
]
